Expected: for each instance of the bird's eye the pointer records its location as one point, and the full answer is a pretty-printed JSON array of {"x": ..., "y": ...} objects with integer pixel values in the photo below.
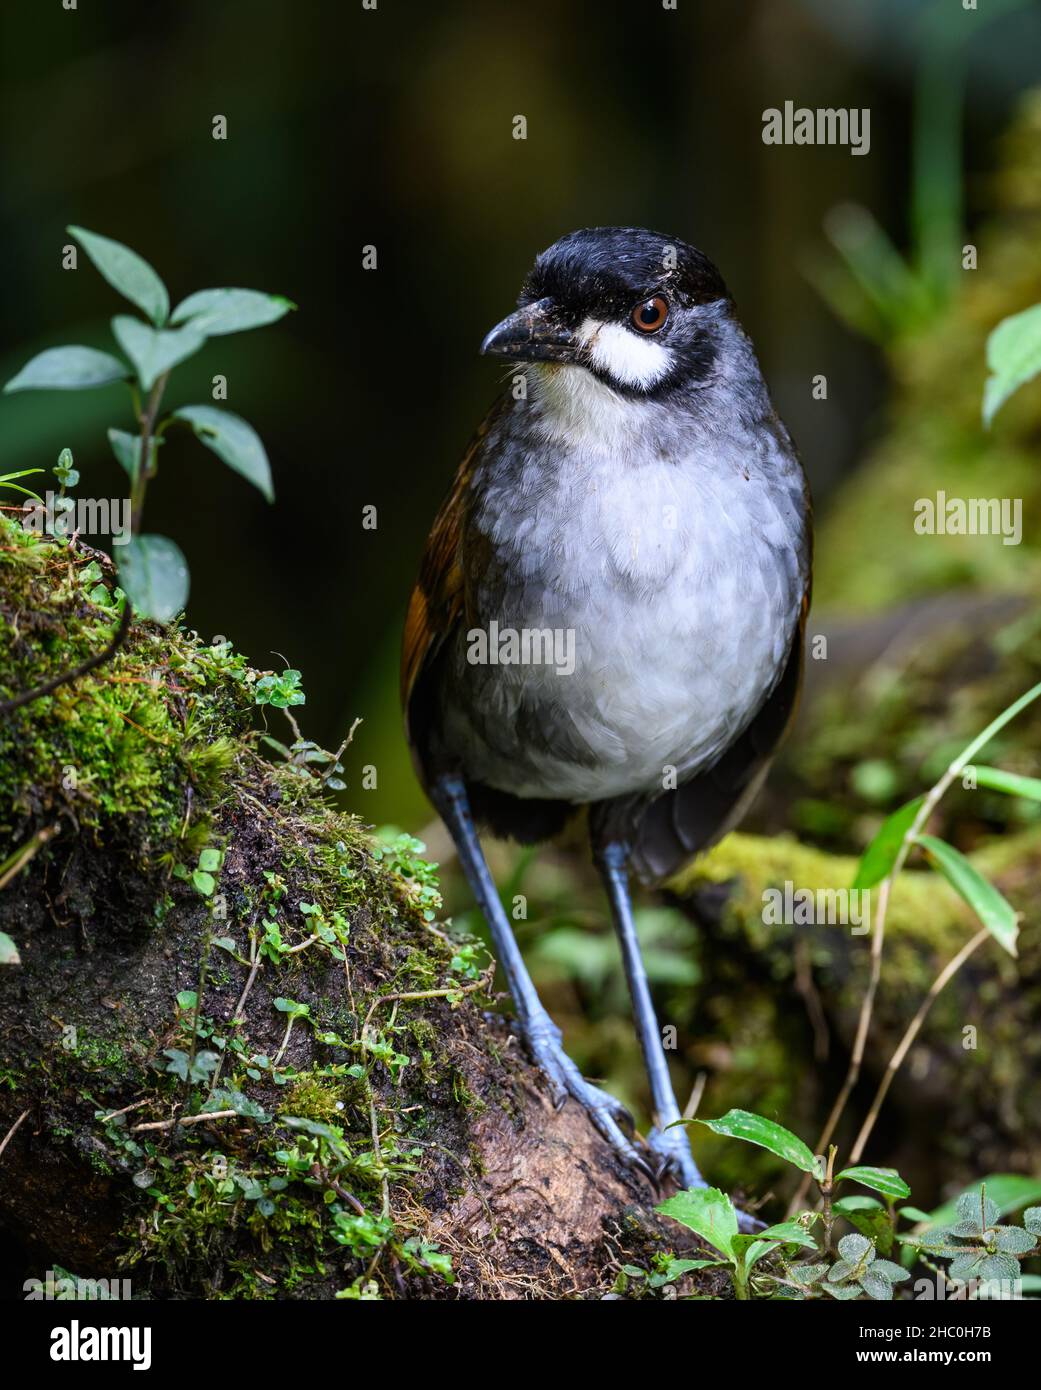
[{"x": 651, "y": 315}]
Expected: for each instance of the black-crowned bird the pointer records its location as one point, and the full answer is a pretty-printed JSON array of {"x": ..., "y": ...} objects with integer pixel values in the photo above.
[{"x": 611, "y": 606}]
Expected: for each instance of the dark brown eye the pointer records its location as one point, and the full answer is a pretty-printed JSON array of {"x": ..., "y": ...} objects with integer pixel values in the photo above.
[{"x": 649, "y": 316}]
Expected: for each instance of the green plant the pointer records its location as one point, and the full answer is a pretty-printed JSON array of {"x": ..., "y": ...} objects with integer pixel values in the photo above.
[
  {"x": 711, "y": 1214},
  {"x": 280, "y": 690},
  {"x": 1013, "y": 358},
  {"x": 882, "y": 861},
  {"x": 152, "y": 570},
  {"x": 403, "y": 855},
  {"x": 7, "y": 480},
  {"x": 202, "y": 877},
  {"x": 868, "y": 282},
  {"x": 977, "y": 1246}
]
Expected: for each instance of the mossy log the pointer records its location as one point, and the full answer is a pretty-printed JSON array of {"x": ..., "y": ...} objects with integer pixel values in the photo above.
[
  {"x": 788, "y": 993},
  {"x": 200, "y": 934}
]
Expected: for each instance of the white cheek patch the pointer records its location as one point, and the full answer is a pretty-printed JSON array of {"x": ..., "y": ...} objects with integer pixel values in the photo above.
[{"x": 623, "y": 356}]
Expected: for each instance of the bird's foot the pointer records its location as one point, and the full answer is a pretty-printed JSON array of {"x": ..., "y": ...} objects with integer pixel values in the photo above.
[
  {"x": 671, "y": 1149},
  {"x": 674, "y": 1159},
  {"x": 609, "y": 1116}
]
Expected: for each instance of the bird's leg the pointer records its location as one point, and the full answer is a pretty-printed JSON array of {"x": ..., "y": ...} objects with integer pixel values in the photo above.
[
  {"x": 670, "y": 1145},
  {"x": 540, "y": 1033}
]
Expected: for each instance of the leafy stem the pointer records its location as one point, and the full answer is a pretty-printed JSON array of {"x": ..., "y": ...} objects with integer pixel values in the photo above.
[{"x": 145, "y": 469}]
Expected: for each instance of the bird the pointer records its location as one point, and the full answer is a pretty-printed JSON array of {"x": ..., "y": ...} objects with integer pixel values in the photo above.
[{"x": 610, "y": 611}]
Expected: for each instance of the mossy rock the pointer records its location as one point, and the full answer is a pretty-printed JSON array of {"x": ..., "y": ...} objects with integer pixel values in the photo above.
[{"x": 200, "y": 933}]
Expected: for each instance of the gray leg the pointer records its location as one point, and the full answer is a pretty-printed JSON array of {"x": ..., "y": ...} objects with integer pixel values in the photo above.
[
  {"x": 541, "y": 1034},
  {"x": 671, "y": 1145}
]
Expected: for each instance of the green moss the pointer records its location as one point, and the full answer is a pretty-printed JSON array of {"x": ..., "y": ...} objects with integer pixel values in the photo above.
[{"x": 142, "y": 765}]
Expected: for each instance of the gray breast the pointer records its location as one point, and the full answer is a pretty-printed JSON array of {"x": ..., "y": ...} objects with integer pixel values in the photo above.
[{"x": 637, "y": 605}]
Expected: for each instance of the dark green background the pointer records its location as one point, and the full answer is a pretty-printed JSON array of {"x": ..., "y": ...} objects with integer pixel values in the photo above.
[{"x": 393, "y": 127}]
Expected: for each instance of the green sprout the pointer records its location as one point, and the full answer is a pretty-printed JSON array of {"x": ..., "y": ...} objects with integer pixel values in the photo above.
[{"x": 153, "y": 572}]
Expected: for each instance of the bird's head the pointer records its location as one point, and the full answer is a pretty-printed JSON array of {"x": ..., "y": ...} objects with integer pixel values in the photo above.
[{"x": 638, "y": 310}]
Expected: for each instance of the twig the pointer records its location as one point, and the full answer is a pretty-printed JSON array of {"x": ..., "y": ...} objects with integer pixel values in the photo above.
[
  {"x": 895, "y": 1062},
  {"x": 137, "y": 1104},
  {"x": 18, "y": 860},
  {"x": 186, "y": 1120},
  {"x": 66, "y": 677},
  {"x": 693, "y": 1104},
  {"x": 10, "y": 1133},
  {"x": 257, "y": 963},
  {"x": 419, "y": 994}
]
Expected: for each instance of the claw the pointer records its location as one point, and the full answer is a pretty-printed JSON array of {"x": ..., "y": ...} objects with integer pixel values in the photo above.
[{"x": 609, "y": 1116}]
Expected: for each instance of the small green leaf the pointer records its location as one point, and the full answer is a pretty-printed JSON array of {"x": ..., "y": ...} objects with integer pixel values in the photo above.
[
  {"x": 976, "y": 1213},
  {"x": 752, "y": 1248},
  {"x": 789, "y": 1232},
  {"x": 854, "y": 1248},
  {"x": 178, "y": 1063},
  {"x": 885, "y": 1180},
  {"x": 706, "y": 1211},
  {"x": 1009, "y": 782},
  {"x": 755, "y": 1129},
  {"x": 1007, "y": 1192},
  {"x": 678, "y": 1267},
  {"x": 7, "y": 479},
  {"x": 204, "y": 883},
  {"x": 232, "y": 439},
  {"x": 214, "y": 312},
  {"x": 881, "y": 853},
  {"x": 914, "y": 1214},
  {"x": 876, "y": 1285},
  {"x": 126, "y": 272},
  {"x": 999, "y": 1267},
  {"x": 965, "y": 1266},
  {"x": 127, "y": 449},
  {"x": 1032, "y": 1220},
  {"x": 893, "y": 1272},
  {"x": 68, "y": 369},
  {"x": 187, "y": 999},
  {"x": 1013, "y": 357},
  {"x": 847, "y": 1205},
  {"x": 209, "y": 860},
  {"x": 843, "y": 1291},
  {"x": 154, "y": 351},
  {"x": 154, "y": 575},
  {"x": 1013, "y": 1241},
  {"x": 8, "y": 951},
  {"x": 991, "y": 907}
]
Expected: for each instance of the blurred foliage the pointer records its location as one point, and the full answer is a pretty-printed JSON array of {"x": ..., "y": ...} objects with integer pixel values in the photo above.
[{"x": 935, "y": 440}]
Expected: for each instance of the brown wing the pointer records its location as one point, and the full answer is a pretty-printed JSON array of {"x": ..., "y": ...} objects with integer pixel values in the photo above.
[
  {"x": 437, "y": 602},
  {"x": 678, "y": 825}
]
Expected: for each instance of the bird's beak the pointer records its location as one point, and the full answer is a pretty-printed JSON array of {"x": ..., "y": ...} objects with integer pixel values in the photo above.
[{"x": 532, "y": 334}]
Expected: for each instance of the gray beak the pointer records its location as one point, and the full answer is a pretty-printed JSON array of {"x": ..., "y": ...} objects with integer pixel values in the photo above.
[{"x": 532, "y": 334}]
